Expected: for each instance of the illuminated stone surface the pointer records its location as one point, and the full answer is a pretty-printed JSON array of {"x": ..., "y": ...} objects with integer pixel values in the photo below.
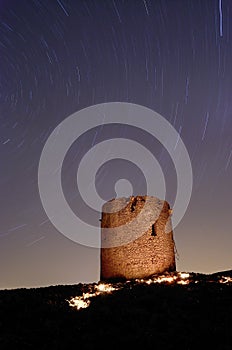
[{"x": 153, "y": 249}]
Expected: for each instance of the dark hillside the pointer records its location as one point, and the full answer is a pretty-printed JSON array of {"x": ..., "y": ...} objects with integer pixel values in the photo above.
[{"x": 167, "y": 314}]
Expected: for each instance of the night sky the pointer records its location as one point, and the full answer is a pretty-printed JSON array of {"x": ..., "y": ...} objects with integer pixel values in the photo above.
[{"x": 58, "y": 57}]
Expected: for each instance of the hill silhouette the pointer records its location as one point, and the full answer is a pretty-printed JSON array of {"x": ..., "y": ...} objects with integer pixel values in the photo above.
[{"x": 174, "y": 311}]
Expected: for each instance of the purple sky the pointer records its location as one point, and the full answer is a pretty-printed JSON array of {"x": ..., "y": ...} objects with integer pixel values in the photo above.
[{"x": 57, "y": 57}]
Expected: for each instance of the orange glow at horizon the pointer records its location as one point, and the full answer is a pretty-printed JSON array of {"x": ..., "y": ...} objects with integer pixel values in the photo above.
[{"x": 182, "y": 278}]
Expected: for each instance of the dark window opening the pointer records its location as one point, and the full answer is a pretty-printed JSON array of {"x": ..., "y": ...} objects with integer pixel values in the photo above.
[
  {"x": 133, "y": 204},
  {"x": 153, "y": 233}
]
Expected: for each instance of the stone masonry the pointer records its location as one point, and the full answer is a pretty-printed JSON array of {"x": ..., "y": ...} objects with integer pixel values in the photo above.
[{"x": 141, "y": 242}]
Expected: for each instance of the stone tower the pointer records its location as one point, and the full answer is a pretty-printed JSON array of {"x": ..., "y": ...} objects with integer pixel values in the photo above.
[{"x": 136, "y": 238}]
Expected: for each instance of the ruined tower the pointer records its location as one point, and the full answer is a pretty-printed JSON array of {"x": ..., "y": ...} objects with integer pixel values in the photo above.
[{"x": 136, "y": 238}]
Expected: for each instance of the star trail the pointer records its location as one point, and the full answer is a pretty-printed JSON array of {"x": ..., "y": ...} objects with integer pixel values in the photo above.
[{"x": 57, "y": 57}]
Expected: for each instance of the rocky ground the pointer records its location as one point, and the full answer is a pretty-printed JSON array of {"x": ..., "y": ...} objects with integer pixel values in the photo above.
[{"x": 177, "y": 311}]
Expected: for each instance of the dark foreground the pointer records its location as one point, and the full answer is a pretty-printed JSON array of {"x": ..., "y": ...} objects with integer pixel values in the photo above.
[{"x": 155, "y": 316}]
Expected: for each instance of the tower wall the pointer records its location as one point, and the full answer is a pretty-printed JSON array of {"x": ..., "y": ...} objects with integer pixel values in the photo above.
[{"x": 151, "y": 252}]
